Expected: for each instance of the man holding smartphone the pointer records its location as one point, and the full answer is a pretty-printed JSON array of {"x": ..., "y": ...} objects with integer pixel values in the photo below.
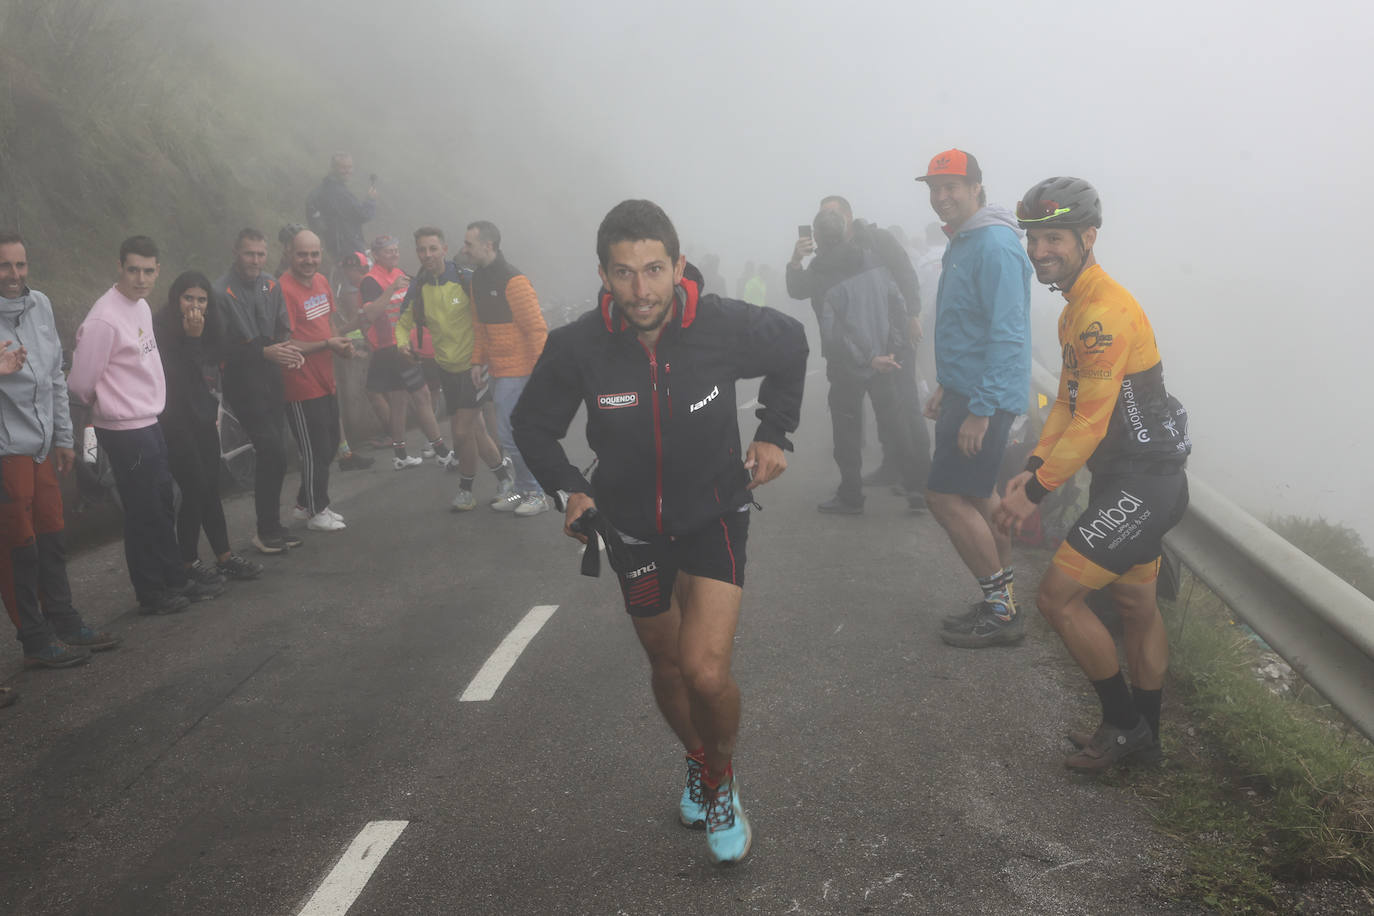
[{"x": 856, "y": 248}]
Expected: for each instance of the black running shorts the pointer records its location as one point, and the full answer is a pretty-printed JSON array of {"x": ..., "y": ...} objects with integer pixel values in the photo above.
[
  {"x": 459, "y": 392},
  {"x": 717, "y": 551},
  {"x": 1120, "y": 536},
  {"x": 389, "y": 371}
]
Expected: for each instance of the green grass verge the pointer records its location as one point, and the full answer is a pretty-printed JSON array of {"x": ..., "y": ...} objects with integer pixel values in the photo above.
[{"x": 1262, "y": 789}]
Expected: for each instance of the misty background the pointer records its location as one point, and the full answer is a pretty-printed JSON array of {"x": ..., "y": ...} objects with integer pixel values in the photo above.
[{"x": 1227, "y": 140}]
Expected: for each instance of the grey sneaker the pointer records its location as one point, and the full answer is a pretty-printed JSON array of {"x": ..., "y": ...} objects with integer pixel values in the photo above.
[
  {"x": 200, "y": 591},
  {"x": 988, "y": 630},
  {"x": 164, "y": 603},
  {"x": 532, "y": 504},
  {"x": 838, "y": 506},
  {"x": 464, "y": 501},
  {"x": 202, "y": 573},
  {"x": 56, "y": 655},
  {"x": 93, "y": 640},
  {"x": 963, "y": 621},
  {"x": 508, "y": 501},
  {"x": 1111, "y": 745}
]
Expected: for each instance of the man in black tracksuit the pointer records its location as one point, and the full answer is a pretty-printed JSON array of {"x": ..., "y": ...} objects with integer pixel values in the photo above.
[
  {"x": 656, "y": 367},
  {"x": 256, "y": 349}
]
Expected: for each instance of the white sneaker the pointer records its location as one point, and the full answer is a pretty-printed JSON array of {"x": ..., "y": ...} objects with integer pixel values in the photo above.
[
  {"x": 300, "y": 514},
  {"x": 532, "y": 504},
  {"x": 427, "y": 452},
  {"x": 323, "y": 521},
  {"x": 508, "y": 502},
  {"x": 409, "y": 461},
  {"x": 464, "y": 501},
  {"x": 332, "y": 514},
  {"x": 449, "y": 462}
]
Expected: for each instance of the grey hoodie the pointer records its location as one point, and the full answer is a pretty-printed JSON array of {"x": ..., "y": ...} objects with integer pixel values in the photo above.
[{"x": 34, "y": 412}]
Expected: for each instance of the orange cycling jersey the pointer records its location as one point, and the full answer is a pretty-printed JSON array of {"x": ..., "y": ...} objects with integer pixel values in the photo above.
[{"x": 1112, "y": 411}]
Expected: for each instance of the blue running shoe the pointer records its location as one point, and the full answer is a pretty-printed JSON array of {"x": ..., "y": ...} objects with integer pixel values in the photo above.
[
  {"x": 692, "y": 809},
  {"x": 728, "y": 835}
]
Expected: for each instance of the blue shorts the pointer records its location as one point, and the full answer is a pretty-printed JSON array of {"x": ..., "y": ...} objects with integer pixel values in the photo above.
[{"x": 951, "y": 471}]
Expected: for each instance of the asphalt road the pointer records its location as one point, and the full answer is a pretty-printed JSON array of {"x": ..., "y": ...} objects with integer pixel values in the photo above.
[{"x": 226, "y": 760}]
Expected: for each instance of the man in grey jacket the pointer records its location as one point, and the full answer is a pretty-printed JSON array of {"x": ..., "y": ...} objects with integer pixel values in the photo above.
[
  {"x": 865, "y": 337},
  {"x": 36, "y": 445}
]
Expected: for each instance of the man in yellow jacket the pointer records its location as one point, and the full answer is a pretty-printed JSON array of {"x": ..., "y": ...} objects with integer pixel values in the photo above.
[{"x": 438, "y": 300}]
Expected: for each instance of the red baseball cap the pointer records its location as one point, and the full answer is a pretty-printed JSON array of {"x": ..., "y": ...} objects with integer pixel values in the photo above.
[{"x": 953, "y": 162}]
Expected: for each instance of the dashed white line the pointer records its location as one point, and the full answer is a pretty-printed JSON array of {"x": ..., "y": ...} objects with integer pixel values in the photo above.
[
  {"x": 483, "y": 686},
  {"x": 346, "y": 881}
]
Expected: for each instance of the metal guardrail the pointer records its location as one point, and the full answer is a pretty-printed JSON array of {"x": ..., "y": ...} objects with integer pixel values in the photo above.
[{"x": 1318, "y": 622}]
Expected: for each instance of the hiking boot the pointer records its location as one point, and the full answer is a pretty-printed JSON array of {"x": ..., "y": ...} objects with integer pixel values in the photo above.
[
  {"x": 199, "y": 572},
  {"x": 691, "y": 810},
  {"x": 409, "y": 461},
  {"x": 355, "y": 462},
  {"x": 728, "y": 835},
  {"x": 279, "y": 542},
  {"x": 880, "y": 477},
  {"x": 838, "y": 506},
  {"x": 236, "y": 567},
  {"x": 200, "y": 591},
  {"x": 508, "y": 502},
  {"x": 963, "y": 620},
  {"x": 463, "y": 502},
  {"x": 532, "y": 504},
  {"x": 1149, "y": 756},
  {"x": 988, "y": 630},
  {"x": 169, "y": 602},
  {"x": 56, "y": 655},
  {"x": 91, "y": 640},
  {"x": 1110, "y": 746}
]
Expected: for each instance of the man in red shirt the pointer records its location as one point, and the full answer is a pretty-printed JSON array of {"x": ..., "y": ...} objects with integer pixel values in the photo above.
[{"x": 312, "y": 409}]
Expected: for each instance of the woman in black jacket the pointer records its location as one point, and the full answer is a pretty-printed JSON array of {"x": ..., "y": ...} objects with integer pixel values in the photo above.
[{"x": 188, "y": 337}]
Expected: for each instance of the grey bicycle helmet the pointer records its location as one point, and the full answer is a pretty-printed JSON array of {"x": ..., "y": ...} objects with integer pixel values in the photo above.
[{"x": 1069, "y": 203}]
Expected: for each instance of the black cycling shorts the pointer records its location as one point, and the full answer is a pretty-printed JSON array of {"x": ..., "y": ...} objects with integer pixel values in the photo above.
[
  {"x": 1120, "y": 536},
  {"x": 717, "y": 551},
  {"x": 389, "y": 371},
  {"x": 460, "y": 393}
]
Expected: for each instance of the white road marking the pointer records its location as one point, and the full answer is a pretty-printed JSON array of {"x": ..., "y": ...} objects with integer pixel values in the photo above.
[
  {"x": 342, "y": 886},
  {"x": 483, "y": 686}
]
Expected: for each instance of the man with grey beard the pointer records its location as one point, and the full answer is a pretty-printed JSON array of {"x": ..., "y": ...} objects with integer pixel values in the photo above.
[{"x": 36, "y": 445}]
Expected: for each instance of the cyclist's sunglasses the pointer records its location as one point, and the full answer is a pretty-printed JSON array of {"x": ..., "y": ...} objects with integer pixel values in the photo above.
[{"x": 1039, "y": 211}]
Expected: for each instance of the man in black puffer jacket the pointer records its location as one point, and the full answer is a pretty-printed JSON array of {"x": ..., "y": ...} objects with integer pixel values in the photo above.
[{"x": 656, "y": 366}]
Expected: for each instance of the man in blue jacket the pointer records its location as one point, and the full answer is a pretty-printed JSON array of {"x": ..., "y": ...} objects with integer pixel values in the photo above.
[
  {"x": 982, "y": 363},
  {"x": 36, "y": 444}
]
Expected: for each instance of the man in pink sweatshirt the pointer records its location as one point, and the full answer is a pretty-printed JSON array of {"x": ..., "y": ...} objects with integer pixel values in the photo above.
[{"x": 117, "y": 374}]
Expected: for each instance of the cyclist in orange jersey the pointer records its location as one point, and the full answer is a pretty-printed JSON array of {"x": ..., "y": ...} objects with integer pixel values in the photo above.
[{"x": 1114, "y": 415}]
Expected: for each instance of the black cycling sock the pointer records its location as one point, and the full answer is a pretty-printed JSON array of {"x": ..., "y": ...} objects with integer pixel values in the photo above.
[
  {"x": 465, "y": 483},
  {"x": 502, "y": 472},
  {"x": 440, "y": 448},
  {"x": 1147, "y": 703},
  {"x": 1118, "y": 709},
  {"x": 399, "y": 448}
]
